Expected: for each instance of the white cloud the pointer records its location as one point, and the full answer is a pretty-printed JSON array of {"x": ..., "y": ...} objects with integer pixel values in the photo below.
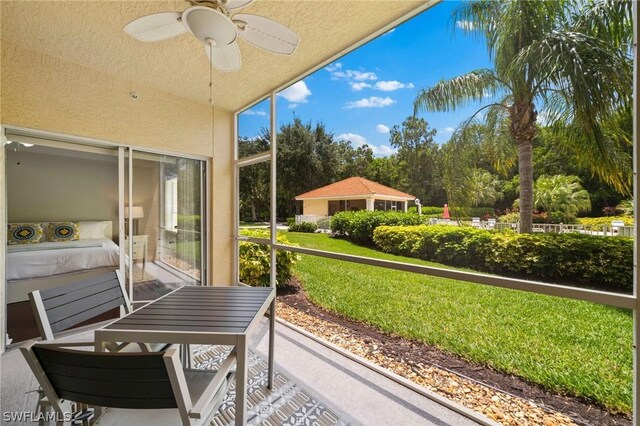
[
  {"x": 383, "y": 151},
  {"x": 447, "y": 130},
  {"x": 257, "y": 112},
  {"x": 466, "y": 25},
  {"x": 357, "y": 141},
  {"x": 390, "y": 86},
  {"x": 381, "y": 128},
  {"x": 389, "y": 32},
  {"x": 353, "y": 75},
  {"x": 334, "y": 67},
  {"x": 358, "y": 86},
  {"x": 371, "y": 102},
  {"x": 296, "y": 93}
]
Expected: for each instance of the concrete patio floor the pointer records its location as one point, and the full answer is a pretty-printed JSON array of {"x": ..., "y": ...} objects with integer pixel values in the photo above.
[{"x": 358, "y": 394}]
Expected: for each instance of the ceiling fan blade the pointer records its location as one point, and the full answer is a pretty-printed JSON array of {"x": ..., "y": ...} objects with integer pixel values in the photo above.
[
  {"x": 266, "y": 33},
  {"x": 156, "y": 27},
  {"x": 224, "y": 58},
  {"x": 235, "y": 4}
]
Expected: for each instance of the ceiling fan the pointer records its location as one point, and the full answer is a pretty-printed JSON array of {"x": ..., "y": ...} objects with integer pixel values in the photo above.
[{"x": 213, "y": 25}]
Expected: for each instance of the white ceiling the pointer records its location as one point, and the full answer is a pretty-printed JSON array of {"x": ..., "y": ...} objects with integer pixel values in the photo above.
[{"x": 90, "y": 33}]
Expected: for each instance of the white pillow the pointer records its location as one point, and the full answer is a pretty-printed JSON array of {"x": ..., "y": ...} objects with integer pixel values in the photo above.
[{"x": 95, "y": 229}]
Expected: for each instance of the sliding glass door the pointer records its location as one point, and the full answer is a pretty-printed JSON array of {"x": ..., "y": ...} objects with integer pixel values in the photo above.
[{"x": 163, "y": 211}]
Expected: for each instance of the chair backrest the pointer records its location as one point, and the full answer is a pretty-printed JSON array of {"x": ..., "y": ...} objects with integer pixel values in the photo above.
[
  {"x": 119, "y": 380},
  {"x": 63, "y": 307}
]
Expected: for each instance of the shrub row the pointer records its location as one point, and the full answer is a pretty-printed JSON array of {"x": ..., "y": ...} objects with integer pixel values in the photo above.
[
  {"x": 307, "y": 227},
  {"x": 585, "y": 260},
  {"x": 255, "y": 260},
  {"x": 598, "y": 223},
  {"x": 359, "y": 226}
]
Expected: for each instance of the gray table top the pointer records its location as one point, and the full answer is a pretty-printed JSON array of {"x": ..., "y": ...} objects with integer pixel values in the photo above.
[{"x": 199, "y": 309}]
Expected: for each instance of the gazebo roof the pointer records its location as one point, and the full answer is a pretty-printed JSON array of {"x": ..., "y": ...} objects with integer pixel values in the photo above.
[{"x": 354, "y": 186}]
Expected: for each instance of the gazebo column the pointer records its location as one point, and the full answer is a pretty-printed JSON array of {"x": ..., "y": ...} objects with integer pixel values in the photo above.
[
  {"x": 370, "y": 203},
  {"x": 405, "y": 204}
]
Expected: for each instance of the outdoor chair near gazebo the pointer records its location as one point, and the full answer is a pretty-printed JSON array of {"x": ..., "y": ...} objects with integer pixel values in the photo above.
[{"x": 146, "y": 388}]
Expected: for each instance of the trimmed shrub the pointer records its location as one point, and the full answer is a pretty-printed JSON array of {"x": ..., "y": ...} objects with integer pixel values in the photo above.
[
  {"x": 598, "y": 223},
  {"x": 255, "y": 260},
  {"x": 509, "y": 218},
  {"x": 585, "y": 260},
  {"x": 291, "y": 221},
  {"x": 307, "y": 227},
  {"x": 358, "y": 226}
]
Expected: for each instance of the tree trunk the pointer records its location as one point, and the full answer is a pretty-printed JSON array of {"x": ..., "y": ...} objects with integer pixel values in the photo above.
[{"x": 523, "y": 129}]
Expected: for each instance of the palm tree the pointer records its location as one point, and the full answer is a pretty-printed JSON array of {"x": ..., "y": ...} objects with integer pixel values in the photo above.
[
  {"x": 561, "y": 193},
  {"x": 484, "y": 188},
  {"x": 572, "y": 60}
]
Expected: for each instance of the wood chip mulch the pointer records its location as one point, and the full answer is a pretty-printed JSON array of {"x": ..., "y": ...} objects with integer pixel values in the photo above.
[{"x": 503, "y": 398}]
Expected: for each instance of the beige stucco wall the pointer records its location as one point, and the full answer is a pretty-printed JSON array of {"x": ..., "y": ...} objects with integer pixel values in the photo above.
[
  {"x": 42, "y": 92},
  {"x": 222, "y": 197},
  {"x": 315, "y": 207}
]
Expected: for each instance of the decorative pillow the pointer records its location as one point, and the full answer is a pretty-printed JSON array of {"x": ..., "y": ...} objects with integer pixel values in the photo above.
[
  {"x": 24, "y": 233},
  {"x": 95, "y": 229},
  {"x": 63, "y": 231}
]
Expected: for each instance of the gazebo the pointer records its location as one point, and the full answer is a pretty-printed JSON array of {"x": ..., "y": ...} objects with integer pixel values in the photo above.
[{"x": 351, "y": 194}]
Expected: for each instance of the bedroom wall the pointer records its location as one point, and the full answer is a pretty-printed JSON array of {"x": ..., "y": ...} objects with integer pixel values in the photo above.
[
  {"x": 46, "y": 187},
  {"x": 46, "y": 93}
]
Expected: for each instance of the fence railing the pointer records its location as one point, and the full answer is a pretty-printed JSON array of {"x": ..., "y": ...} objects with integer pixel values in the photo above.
[{"x": 323, "y": 222}]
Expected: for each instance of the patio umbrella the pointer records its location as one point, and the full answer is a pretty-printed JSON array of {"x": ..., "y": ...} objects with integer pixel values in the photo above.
[{"x": 445, "y": 212}]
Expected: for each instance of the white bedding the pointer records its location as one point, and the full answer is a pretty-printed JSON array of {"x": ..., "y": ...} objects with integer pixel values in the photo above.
[{"x": 55, "y": 258}]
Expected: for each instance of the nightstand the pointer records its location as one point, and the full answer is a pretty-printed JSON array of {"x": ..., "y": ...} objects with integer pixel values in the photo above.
[{"x": 139, "y": 250}]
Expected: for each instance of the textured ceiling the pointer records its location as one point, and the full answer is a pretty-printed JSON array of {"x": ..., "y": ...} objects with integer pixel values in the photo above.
[{"x": 90, "y": 33}]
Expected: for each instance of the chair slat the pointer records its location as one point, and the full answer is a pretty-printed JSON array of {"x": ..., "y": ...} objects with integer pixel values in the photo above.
[
  {"x": 72, "y": 308},
  {"x": 120, "y": 360},
  {"x": 56, "y": 291},
  {"x": 79, "y": 293},
  {"x": 121, "y": 402}
]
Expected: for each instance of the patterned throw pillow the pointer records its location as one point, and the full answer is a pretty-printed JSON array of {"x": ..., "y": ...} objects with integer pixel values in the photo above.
[
  {"x": 24, "y": 233},
  {"x": 63, "y": 231}
]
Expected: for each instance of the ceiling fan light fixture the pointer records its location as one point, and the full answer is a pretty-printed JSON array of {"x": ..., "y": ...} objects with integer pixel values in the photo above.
[{"x": 208, "y": 24}]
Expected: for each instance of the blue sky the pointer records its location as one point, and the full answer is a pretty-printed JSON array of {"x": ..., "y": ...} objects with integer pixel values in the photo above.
[{"x": 368, "y": 91}]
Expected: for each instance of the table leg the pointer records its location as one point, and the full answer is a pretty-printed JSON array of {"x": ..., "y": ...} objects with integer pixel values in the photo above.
[
  {"x": 99, "y": 344},
  {"x": 241, "y": 381},
  {"x": 272, "y": 335}
]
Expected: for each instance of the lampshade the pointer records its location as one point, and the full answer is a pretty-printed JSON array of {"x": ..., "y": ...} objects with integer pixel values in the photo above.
[{"x": 136, "y": 212}]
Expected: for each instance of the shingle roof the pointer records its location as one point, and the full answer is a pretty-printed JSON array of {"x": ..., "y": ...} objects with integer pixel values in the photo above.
[{"x": 353, "y": 186}]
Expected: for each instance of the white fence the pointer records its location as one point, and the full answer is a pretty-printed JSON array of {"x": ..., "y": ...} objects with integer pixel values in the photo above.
[{"x": 323, "y": 222}]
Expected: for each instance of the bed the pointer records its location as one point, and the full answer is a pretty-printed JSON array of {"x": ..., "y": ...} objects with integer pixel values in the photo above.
[{"x": 49, "y": 264}]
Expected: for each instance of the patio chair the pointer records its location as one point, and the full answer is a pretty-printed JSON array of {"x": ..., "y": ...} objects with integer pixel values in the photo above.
[
  {"x": 126, "y": 388},
  {"x": 59, "y": 309}
]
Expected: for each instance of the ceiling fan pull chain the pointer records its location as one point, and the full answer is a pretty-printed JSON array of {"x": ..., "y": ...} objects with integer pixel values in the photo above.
[{"x": 210, "y": 74}]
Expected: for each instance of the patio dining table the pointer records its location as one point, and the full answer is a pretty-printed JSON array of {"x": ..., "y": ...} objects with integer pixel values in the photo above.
[{"x": 201, "y": 315}]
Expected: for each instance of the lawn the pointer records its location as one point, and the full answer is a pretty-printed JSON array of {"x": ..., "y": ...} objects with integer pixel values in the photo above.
[{"x": 568, "y": 346}]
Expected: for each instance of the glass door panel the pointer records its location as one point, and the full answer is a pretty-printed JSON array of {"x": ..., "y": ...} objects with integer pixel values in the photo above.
[{"x": 165, "y": 211}]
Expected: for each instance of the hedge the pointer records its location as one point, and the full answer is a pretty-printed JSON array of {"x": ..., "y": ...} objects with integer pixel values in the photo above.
[
  {"x": 255, "y": 260},
  {"x": 359, "y": 226},
  {"x": 598, "y": 223},
  {"x": 307, "y": 227},
  {"x": 575, "y": 259}
]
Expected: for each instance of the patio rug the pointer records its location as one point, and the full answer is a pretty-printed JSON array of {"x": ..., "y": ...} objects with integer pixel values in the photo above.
[{"x": 286, "y": 404}]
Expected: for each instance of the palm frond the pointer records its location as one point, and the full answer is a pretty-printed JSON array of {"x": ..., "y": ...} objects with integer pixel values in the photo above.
[
  {"x": 610, "y": 20},
  {"x": 448, "y": 95}
]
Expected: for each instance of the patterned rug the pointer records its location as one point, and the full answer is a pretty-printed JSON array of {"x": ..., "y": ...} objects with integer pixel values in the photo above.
[{"x": 287, "y": 404}]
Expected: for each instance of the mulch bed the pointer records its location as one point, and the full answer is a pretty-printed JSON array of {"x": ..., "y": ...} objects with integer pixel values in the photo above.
[{"x": 514, "y": 400}]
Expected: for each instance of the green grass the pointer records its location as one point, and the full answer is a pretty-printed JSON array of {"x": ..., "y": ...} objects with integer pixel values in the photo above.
[{"x": 568, "y": 346}]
